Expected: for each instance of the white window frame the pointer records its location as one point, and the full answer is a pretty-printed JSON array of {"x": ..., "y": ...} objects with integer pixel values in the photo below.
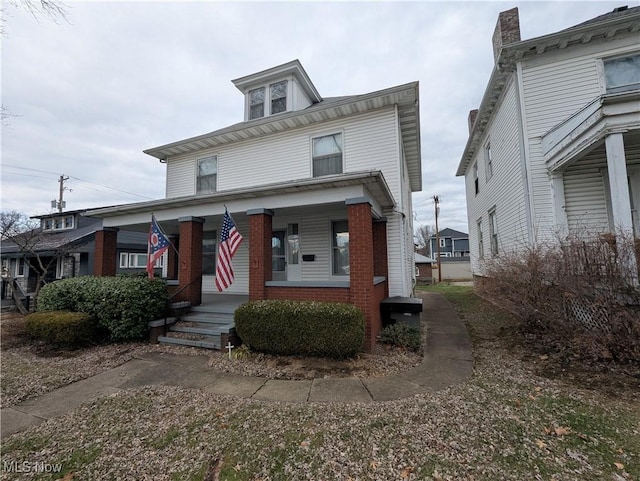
[
  {"x": 334, "y": 248},
  {"x": 476, "y": 181},
  {"x": 264, "y": 91},
  {"x": 603, "y": 74},
  {"x": 130, "y": 260},
  {"x": 342, "y": 146},
  {"x": 493, "y": 231},
  {"x": 198, "y": 177},
  {"x": 21, "y": 267},
  {"x": 58, "y": 223},
  {"x": 286, "y": 97},
  {"x": 480, "y": 239},
  {"x": 488, "y": 160},
  {"x": 443, "y": 242}
]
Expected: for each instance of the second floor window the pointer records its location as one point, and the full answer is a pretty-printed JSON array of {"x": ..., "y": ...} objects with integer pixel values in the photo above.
[
  {"x": 327, "y": 155},
  {"x": 207, "y": 175},
  {"x": 488, "y": 160},
  {"x": 622, "y": 73},
  {"x": 278, "y": 97},
  {"x": 475, "y": 178},
  {"x": 256, "y": 103}
]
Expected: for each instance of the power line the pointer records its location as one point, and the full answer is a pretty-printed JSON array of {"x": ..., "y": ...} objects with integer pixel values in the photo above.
[{"x": 73, "y": 177}]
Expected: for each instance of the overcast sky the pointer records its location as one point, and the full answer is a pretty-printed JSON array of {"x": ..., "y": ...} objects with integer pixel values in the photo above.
[{"x": 89, "y": 94}]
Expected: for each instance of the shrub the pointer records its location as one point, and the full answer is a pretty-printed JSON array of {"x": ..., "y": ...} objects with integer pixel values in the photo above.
[
  {"x": 121, "y": 305},
  {"x": 579, "y": 292},
  {"x": 301, "y": 327},
  {"x": 401, "y": 335},
  {"x": 62, "y": 328}
]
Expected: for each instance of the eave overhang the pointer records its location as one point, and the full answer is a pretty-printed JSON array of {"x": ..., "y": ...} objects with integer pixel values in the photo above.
[
  {"x": 511, "y": 54},
  {"x": 406, "y": 97}
]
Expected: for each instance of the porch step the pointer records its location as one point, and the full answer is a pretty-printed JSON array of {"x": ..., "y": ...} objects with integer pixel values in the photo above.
[
  {"x": 203, "y": 331},
  {"x": 212, "y": 319},
  {"x": 203, "y": 343}
]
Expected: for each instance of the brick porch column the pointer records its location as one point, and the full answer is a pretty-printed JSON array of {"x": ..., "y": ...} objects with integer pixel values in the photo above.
[
  {"x": 190, "y": 259},
  {"x": 105, "y": 257},
  {"x": 380, "y": 260},
  {"x": 260, "y": 231},
  {"x": 361, "y": 267}
]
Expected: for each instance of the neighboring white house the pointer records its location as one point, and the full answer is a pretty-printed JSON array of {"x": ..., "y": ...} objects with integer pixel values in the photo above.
[
  {"x": 320, "y": 189},
  {"x": 554, "y": 148}
]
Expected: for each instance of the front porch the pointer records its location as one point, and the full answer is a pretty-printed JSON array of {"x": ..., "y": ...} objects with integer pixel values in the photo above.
[{"x": 317, "y": 248}]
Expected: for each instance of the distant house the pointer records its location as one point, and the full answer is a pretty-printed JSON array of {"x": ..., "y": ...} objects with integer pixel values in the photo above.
[
  {"x": 424, "y": 268},
  {"x": 65, "y": 245},
  {"x": 319, "y": 188},
  {"x": 453, "y": 243},
  {"x": 554, "y": 148}
]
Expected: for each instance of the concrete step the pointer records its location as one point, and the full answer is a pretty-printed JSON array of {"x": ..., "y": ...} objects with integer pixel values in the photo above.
[
  {"x": 207, "y": 319},
  {"x": 205, "y": 343},
  {"x": 202, "y": 330}
]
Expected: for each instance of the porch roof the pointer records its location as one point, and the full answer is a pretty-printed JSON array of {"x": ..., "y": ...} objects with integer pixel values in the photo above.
[{"x": 374, "y": 182}]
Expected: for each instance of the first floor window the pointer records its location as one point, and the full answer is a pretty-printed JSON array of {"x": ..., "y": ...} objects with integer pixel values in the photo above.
[
  {"x": 340, "y": 247},
  {"x": 327, "y": 155},
  {"x": 209, "y": 253},
  {"x": 207, "y": 175},
  {"x": 137, "y": 260},
  {"x": 20, "y": 267},
  {"x": 493, "y": 232},
  {"x": 480, "y": 240}
]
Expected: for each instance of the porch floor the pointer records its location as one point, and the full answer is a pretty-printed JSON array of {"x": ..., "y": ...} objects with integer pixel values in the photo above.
[{"x": 223, "y": 303}]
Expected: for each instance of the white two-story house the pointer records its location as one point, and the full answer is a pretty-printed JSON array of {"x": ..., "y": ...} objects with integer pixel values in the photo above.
[
  {"x": 554, "y": 148},
  {"x": 319, "y": 188}
]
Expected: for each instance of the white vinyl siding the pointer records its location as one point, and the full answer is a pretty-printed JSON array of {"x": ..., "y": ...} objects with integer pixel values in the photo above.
[
  {"x": 555, "y": 87},
  {"x": 369, "y": 143},
  {"x": 509, "y": 198}
]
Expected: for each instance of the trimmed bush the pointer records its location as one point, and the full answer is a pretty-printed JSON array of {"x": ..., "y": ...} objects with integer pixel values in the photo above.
[
  {"x": 401, "y": 335},
  {"x": 305, "y": 328},
  {"x": 121, "y": 305},
  {"x": 62, "y": 328}
]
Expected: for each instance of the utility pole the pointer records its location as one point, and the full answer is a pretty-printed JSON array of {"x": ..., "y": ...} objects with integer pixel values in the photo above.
[
  {"x": 60, "y": 203},
  {"x": 436, "y": 201}
]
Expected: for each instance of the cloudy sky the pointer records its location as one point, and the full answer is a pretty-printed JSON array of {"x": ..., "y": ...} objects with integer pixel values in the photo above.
[{"x": 89, "y": 94}]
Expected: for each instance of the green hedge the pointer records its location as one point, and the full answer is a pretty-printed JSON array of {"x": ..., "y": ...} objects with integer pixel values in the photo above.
[
  {"x": 301, "y": 328},
  {"x": 121, "y": 305},
  {"x": 62, "y": 328}
]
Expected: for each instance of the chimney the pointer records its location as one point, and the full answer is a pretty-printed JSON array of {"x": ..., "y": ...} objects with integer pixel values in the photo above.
[
  {"x": 473, "y": 114},
  {"x": 507, "y": 31}
]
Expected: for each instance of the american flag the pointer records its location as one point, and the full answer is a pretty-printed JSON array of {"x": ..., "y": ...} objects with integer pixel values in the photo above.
[
  {"x": 157, "y": 245},
  {"x": 230, "y": 240}
]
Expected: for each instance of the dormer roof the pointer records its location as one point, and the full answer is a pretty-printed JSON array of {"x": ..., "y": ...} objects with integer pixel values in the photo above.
[{"x": 246, "y": 83}]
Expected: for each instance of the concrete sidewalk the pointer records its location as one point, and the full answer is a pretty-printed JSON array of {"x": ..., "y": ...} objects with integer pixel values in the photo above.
[{"x": 447, "y": 361}]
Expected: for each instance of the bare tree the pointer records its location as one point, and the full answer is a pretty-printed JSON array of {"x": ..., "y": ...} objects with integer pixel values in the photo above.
[
  {"x": 25, "y": 235},
  {"x": 421, "y": 236}
]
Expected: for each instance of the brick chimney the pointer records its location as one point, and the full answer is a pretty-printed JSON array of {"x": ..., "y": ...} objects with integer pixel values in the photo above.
[
  {"x": 507, "y": 31},
  {"x": 473, "y": 114}
]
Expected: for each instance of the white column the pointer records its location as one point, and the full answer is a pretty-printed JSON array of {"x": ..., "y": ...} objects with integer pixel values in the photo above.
[
  {"x": 618, "y": 184},
  {"x": 559, "y": 211}
]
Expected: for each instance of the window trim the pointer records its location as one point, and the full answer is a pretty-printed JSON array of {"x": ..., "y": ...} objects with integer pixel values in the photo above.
[
  {"x": 126, "y": 260},
  {"x": 342, "y": 146},
  {"x": 52, "y": 221},
  {"x": 480, "y": 239},
  {"x": 476, "y": 182},
  {"x": 249, "y": 105},
  {"x": 21, "y": 267},
  {"x": 198, "y": 160},
  {"x": 488, "y": 160},
  {"x": 603, "y": 74},
  {"x": 286, "y": 97},
  {"x": 334, "y": 247},
  {"x": 493, "y": 231}
]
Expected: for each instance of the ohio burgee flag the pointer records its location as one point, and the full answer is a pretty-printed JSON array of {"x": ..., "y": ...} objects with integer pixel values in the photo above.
[
  {"x": 157, "y": 245},
  {"x": 230, "y": 240}
]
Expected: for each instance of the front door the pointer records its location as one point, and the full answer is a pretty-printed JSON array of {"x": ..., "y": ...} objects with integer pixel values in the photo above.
[{"x": 285, "y": 254}]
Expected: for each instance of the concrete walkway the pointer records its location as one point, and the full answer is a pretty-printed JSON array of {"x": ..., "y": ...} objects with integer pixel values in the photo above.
[{"x": 447, "y": 361}]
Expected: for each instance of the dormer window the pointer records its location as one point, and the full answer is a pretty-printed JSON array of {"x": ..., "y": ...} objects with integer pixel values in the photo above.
[
  {"x": 58, "y": 223},
  {"x": 256, "y": 103},
  {"x": 278, "y": 97}
]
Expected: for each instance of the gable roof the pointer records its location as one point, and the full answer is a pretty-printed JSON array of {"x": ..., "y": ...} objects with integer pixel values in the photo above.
[
  {"x": 601, "y": 28},
  {"x": 456, "y": 234},
  {"x": 51, "y": 241},
  {"x": 406, "y": 97},
  {"x": 420, "y": 259}
]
